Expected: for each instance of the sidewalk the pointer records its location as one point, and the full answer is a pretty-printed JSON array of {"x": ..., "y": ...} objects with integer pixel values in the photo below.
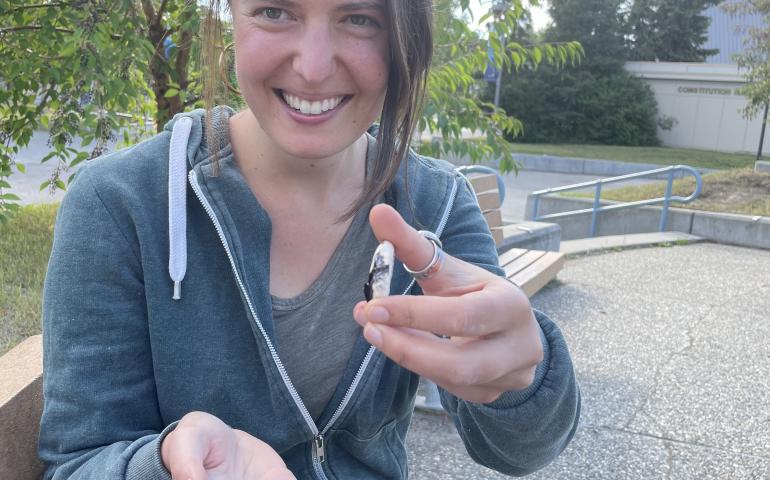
[{"x": 671, "y": 352}]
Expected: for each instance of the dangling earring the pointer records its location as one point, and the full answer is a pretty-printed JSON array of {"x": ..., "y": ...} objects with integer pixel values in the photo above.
[{"x": 225, "y": 68}]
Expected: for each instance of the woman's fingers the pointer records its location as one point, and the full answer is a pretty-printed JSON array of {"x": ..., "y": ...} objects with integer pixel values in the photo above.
[
  {"x": 202, "y": 447},
  {"x": 260, "y": 461},
  {"x": 416, "y": 252},
  {"x": 453, "y": 363},
  {"x": 183, "y": 452},
  {"x": 478, "y": 313}
]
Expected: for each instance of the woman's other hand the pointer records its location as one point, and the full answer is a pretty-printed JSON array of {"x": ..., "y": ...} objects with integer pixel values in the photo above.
[
  {"x": 495, "y": 341},
  {"x": 203, "y": 447}
]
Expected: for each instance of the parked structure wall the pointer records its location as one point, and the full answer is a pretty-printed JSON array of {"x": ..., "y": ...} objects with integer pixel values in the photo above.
[{"x": 704, "y": 103}]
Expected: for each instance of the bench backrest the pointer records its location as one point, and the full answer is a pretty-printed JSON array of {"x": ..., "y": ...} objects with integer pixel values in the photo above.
[{"x": 488, "y": 195}]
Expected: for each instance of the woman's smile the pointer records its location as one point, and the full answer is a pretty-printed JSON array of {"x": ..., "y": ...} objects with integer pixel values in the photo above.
[{"x": 311, "y": 106}]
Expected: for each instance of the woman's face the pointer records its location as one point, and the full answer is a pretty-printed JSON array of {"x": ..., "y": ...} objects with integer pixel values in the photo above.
[{"x": 313, "y": 72}]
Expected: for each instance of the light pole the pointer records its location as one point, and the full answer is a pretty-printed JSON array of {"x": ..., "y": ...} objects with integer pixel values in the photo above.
[
  {"x": 498, "y": 10},
  {"x": 762, "y": 135}
]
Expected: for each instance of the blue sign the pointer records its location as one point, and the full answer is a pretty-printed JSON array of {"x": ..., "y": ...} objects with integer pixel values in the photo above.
[{"x": 491, "y": 73}]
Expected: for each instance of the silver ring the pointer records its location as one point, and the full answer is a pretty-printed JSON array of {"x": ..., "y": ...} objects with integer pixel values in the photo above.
[{"x": 436, "y": 261}]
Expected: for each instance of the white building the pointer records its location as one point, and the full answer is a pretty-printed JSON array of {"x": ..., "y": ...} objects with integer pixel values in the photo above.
[
  {"x": 704, "y": 103},
  {"x": 703, "y": 98}
]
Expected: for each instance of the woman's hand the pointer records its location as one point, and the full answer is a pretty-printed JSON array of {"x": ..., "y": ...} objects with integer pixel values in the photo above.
[
  {"x": 495, "y": 340},
  {"x": 202, "y": 447}
]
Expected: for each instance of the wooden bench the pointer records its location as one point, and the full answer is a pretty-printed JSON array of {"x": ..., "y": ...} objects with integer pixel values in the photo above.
[
  {"x": 21, "y": 369},
  {"x": 529, "y": 269},
  {"x": 21, "y": 404}
]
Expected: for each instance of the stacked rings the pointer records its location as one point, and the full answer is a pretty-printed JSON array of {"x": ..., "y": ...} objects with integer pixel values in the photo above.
[{"x": 434, "y": 266}]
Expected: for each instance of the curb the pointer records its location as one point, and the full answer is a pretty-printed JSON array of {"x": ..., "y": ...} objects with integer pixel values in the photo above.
[
  {"x": 727, "y": 228},
  {"x": 597, "y": 245},
  {"x": 589, "y": 166}
]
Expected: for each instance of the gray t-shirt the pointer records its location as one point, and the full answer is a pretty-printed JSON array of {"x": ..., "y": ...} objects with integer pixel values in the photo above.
[{"x": 315, "y": 330}]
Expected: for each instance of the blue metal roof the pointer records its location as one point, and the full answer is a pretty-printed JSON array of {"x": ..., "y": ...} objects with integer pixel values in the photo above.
[{"x": 727, "y": 32}]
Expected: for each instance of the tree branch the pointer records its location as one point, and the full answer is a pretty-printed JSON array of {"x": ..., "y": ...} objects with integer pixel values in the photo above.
[
  {"x": 42, "y": 5},
  {"x": 23, "y": 28},
  {"x": 161, "y": 10},
  {"x": 149, "y": 11}
]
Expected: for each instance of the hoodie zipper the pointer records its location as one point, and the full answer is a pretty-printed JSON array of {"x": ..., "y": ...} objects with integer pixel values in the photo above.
[
  {"x": 319, "y": 444},
  {"x": 359, "y": 374}
]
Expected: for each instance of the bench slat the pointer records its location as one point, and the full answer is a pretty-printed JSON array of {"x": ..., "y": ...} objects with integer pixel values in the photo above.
[
  {"x": 523, "y": 262},
  {"x": 489, "y": 200},
  {"x": 494, "y": 218},
  {"x": 510, "y": 255},
  {"x": 497, "y": 234},
  {"x": 484, "y": 182},
  {"x": 537, "y": 275}
]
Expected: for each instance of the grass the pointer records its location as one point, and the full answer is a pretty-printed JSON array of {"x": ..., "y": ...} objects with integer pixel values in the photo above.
[
  {"x": 740, "y": 191},
  {"x": 656, "y": 155},
  {"x": 25, "y": 245}
]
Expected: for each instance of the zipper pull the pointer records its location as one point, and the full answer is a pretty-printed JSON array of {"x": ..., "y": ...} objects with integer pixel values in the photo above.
[{"x": 319, "y": 448}]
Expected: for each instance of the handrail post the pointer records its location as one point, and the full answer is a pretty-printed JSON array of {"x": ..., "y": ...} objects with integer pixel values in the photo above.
[
  {"x": 597, "y": 205},
  {"x": 666, "y": 200},
  {"x": 535, "y": 207}
]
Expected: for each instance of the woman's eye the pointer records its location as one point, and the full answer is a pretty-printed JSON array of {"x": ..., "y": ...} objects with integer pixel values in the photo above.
[
  {"x": 361, "y": 20},
  {"x": 272, "y": 13}
]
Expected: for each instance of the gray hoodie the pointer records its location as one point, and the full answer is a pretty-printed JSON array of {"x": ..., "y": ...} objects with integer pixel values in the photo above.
[{"x": 124, "y": 360}]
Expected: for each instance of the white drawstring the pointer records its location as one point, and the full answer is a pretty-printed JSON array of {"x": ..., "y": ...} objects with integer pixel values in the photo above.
[{"x": 177, "y": 203}]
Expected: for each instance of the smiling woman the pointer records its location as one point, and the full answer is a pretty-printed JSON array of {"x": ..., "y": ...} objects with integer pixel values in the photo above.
[
  {"x": 392, "y": 54},
  {"x": 229, "y": 336}
]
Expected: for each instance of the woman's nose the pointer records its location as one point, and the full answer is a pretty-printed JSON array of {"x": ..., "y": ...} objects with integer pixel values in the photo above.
[{"x": 315, "y": 59}]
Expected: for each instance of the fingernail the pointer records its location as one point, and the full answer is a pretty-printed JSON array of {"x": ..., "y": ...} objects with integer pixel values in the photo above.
[
  {"x": 378, "y": 314},
  {"x": 373, "y": 335},
  {"x": 358, "y": 316}
]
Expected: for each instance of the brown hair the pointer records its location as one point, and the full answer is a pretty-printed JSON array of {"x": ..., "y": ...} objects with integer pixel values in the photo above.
[{"x": 410, "y": 39}]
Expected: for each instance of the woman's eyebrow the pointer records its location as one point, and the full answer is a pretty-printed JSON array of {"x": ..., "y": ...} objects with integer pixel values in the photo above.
[
  {"x": 280, "y": 3},
  {"x": 364, "y": 5}
]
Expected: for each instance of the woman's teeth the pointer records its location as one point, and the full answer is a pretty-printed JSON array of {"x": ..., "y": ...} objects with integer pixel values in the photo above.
[{"x": 312, "y": 108}]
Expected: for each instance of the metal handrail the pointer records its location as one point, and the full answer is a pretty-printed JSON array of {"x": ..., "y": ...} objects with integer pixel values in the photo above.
[{"x": 597, "y": 207}]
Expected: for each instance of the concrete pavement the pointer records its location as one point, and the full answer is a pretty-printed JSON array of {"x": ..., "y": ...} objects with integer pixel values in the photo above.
[{"x": 670, "y": 349}]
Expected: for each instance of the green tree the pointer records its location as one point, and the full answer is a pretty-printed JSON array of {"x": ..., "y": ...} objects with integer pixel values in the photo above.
[
  {"x": 595, "y": 102},
  {"x": 88, "y": 69},
  {"x": 599, "y": 27},
  {"x": 755, "y": 61},
  {"x": 669, "y": 30},
  {"x": 455, "y": 91}
]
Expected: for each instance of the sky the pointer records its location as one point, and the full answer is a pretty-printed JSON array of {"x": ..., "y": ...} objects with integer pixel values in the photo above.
[{"x": 540, "y": 16}]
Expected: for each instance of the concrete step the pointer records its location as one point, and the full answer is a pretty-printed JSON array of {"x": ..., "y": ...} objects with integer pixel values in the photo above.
[
  {"x": 617, "y": 242},
  {"x": 531, "y": 236}
]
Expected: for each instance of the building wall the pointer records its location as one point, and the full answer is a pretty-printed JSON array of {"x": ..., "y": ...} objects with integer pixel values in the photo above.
[
  {"x": 705, "y": 103},
  {"x": 727, "y": 33}
]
